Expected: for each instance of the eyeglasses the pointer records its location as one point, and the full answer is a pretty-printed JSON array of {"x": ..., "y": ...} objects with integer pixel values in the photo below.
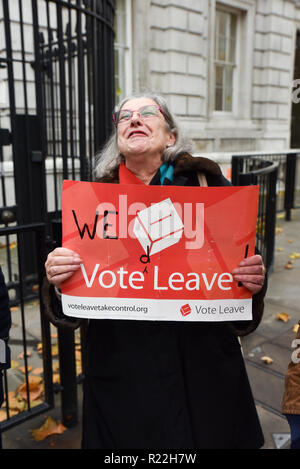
[{"x": 145, "y": 112}]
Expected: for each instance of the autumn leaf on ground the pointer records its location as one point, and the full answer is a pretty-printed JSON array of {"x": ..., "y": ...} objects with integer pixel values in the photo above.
[
  {"x": 54, "y": 350},
  {"x": 55, "y": 366},
  {"x": 267, "y": 360},
  {"x": 3, "y": 415},
  {"x": 38, "y": 371},
  {"x": 283, "y": 317},
  {"x": 56, "y": 378},
  {"x": 294, "y": 255},
  {"x": 289, "y": 265},
  {"x": 23, "y": 369},
  {"x": 36, "y": 388},
  {"x": 21, "y": 355},
  {"x": 295, "y": 328},
  {"x": 14, "y": 364},
  {"x": 15, "y": 403},
  {"x": 50, "y": 427},
  {"x": 290, "y": 241},
  {"x": 278, "y": 230}
]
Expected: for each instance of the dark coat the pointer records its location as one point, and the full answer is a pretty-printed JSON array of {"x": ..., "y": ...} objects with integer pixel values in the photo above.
[
  {"x": 154, "y": 384},
  {"x": 5, "y": 324}
]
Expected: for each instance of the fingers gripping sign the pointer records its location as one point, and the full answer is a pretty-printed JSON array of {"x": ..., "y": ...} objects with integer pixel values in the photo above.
[
  {"x": 251, "y": 273},
  {"x": 61, "y": 265}
]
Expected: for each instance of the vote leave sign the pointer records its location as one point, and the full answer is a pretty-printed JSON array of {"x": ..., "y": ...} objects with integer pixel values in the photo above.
[{"x": 158, "y": 252}]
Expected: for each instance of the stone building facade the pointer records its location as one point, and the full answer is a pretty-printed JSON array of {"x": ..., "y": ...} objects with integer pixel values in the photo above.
[{"x": 226, "y": 67}]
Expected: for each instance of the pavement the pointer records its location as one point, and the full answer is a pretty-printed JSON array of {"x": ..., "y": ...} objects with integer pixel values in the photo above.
[{"x": 272, "y": 339}]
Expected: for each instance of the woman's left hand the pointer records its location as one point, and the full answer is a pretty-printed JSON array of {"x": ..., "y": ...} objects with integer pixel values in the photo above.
[{"x": 251, "y": 272}]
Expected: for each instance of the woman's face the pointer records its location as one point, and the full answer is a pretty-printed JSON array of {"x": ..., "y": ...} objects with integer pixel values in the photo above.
[{"x": 143, "y": 137}]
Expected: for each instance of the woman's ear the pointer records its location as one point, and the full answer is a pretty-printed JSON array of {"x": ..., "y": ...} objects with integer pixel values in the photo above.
[{"x": 171, "y": 140}]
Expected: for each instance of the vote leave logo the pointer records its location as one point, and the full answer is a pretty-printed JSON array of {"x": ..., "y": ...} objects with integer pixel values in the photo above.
[
  {"x": 158, "y": 227},
  {"x": 185, "y": 310}
]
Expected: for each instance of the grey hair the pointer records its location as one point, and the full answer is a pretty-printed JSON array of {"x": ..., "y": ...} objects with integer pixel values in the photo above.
[{"x": 109, "y": 157}]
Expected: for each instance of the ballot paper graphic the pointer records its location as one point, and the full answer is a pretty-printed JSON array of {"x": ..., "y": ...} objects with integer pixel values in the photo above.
[{"x": 158, "y": 227}]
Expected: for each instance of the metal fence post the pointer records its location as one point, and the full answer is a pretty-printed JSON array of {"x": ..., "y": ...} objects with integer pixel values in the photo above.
[
  {"x": 67, "y": 361},
  {"x": 290, "y": 181}
]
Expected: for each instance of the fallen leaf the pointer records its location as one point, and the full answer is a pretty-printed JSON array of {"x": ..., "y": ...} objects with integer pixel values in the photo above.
[
  {"x": 290, "y": 240},
  {"x": 21, "y": 355},
  {"x": 294, "y": 255},
  {"x": 35, "y": 403},
  {"x": 56, "y": 378},
  {"x": 16, "y": 404},
  {"x": 3, "y": 415},
  {"x": 295, "y": 328},
  {"x": 78, "y": 368},
  {"x": 267, "y": 360},
  {"x": 54, "y": 350},
  {"x": 23, "y": 369},
  {"x": 36, "y": 388},
  {"x": 35, "y": 288},
  {"x": 14, "y": 364},
  {"x": 55, "y": 366},
  {"x": 13, "y": 245},
  {"x": 278, "y": 230},
  {"x": 38, "y": 371},
  {"x": 279, "y": 249},
  {"x": 50, "y": 427},
  {"x": 288, "y": 266},
  {"x": 283, "y": 317}
]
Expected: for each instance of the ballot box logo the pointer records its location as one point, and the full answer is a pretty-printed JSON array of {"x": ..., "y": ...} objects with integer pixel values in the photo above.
[
  {"x": 185, "y": 310},
  {"x": 158, "y": 227}
]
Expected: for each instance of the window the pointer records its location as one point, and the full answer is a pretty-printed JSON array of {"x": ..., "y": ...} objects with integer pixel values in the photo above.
[
  {"x": 225, "y": 59},
  {"x": 123, "y": 69}
]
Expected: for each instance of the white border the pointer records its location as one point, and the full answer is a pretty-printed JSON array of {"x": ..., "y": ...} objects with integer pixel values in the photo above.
[{"x": 157, "y": 310}]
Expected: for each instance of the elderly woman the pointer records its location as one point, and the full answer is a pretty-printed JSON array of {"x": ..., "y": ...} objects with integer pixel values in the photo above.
[{"x": 156, "y": 384}]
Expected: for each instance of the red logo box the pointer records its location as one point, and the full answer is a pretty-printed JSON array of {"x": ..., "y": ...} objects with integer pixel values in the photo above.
[{"x": 185, "y": 310}]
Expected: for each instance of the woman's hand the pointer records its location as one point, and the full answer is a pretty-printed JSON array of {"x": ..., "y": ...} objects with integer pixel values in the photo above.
[
  {"x": 251, "y": 272},
  {"x": 61, "y": 265}
]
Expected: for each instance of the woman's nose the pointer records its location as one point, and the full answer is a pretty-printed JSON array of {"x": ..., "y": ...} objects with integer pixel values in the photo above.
[{"x": 135, "y": 118}]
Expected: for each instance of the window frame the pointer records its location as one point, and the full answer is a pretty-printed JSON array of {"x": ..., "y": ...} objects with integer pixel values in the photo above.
[
  {"x": 242, "y": 79},
  {"x": 225, "y": 64}
]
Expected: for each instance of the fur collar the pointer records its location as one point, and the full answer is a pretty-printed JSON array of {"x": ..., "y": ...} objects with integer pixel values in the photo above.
[{"x": 185, "y": 163}]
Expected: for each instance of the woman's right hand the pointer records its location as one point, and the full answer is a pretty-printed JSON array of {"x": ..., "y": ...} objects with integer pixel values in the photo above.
[{"x": 60, "y": 265}]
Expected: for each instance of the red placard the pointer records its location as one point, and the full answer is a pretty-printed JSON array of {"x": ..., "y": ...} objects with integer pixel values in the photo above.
[{"x": 158, "y": 252}]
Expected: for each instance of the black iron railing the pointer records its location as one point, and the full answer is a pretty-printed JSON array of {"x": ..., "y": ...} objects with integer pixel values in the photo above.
[
  {"x": 288, "y": 178},
  {"x": 57, "y": 61},
  {"x": 34, "y": 394},
  {"x": 248, "y": 170}
]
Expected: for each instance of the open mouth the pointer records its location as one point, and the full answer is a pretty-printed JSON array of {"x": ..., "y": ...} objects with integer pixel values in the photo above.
[{"x": 137, "y": 133}]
